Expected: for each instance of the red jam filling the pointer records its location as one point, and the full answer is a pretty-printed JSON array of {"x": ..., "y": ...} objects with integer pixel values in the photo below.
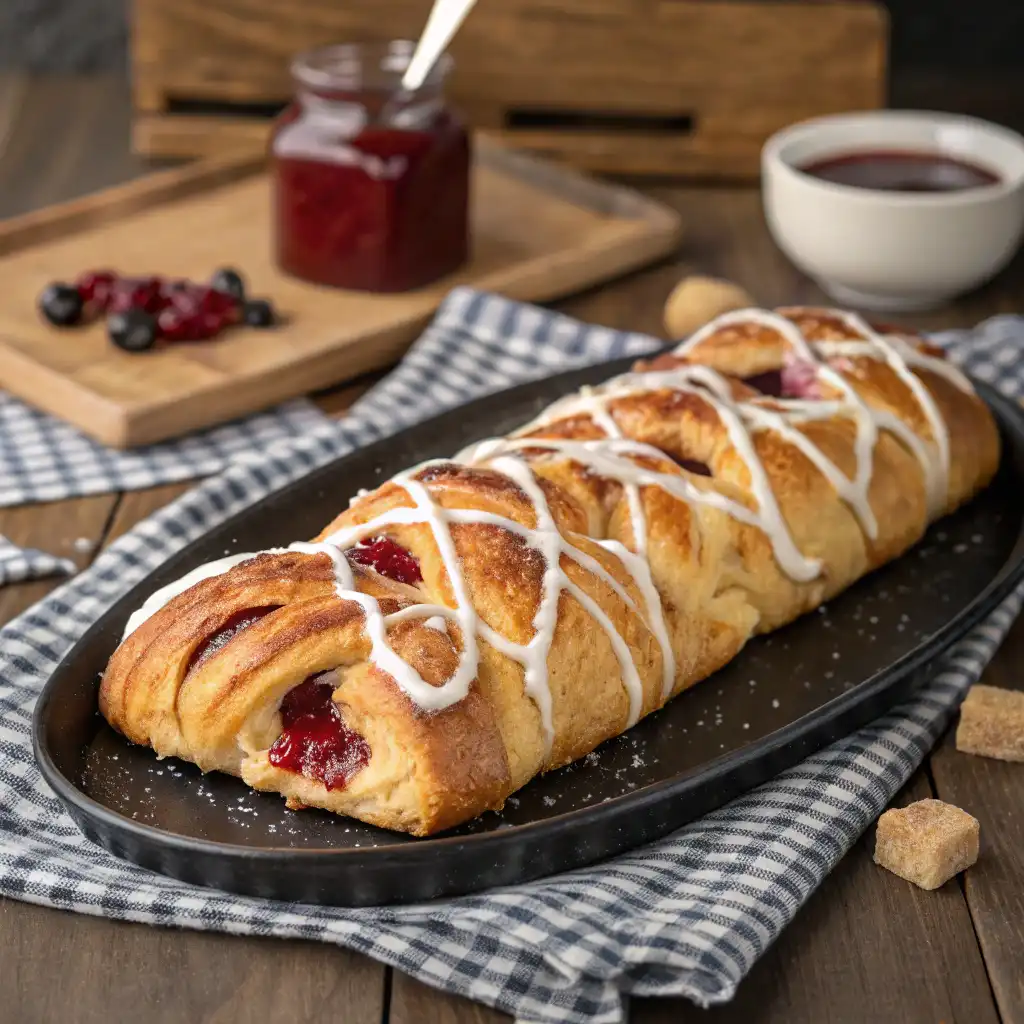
[
  {"x": 371, "y": 207},
  {"x": 690, "y": 465},
  {"x": 768, "y": 383},
  {"x": 236, "y": 624},
  {"x": 388, "y": 558},
  {"x": 315, "y": 741},
  {"x": 700, "y": 468},
  {"x": 797, "y": 379}
]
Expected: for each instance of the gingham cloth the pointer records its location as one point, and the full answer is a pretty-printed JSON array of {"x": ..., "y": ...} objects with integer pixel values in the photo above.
[
  {"x": 688, "y": 915},
  {"x": 17, "y": 564},
  {"x": 45, "y": 459}
]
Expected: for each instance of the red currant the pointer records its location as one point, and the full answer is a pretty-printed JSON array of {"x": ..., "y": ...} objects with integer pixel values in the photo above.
[
  {"x": 185, "y": 302},
  {"x": 95, "y": 286},
  {"x": 136, "y": 293},
  {"x": 209, "y": 324},
  {"x": 174, "y": 325},
  {"x": 219, "y": 304}
]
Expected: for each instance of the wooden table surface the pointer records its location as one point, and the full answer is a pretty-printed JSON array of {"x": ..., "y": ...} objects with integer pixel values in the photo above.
[{"x": 867, "y": 947}]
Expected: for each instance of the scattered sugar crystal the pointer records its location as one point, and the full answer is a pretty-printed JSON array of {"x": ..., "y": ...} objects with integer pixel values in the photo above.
[
  {"x": 927, "y": 842},
  {"x": 82, "y": 545},
  {"x": 959, "y": 549},
  {"x": 746, "y": 725},
  {"x": 775, "y": 702}
]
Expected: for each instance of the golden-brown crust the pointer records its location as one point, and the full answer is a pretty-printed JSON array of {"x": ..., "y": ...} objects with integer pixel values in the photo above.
[{"x": 717, "y": 576}]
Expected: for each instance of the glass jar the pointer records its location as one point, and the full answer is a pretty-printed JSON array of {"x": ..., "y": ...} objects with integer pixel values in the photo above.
[{"x": 371, "y": 185}]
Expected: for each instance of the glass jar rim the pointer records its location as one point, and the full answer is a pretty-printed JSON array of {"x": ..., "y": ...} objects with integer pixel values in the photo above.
[{"x": 373, "y": 65}]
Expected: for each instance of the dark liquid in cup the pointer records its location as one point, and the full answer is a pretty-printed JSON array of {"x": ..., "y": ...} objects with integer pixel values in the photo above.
[{"x": 901, "y": 171}]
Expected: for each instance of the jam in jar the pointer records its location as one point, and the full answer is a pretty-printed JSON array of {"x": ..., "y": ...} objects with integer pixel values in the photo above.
[{"x": 371, "y": 185}]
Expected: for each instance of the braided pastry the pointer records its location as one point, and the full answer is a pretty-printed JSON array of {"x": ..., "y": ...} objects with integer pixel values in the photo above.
[{"x": 474, "y": 622}]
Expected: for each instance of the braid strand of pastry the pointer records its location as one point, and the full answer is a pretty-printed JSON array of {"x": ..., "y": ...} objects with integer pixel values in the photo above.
[{"x": 476, "y": 621}]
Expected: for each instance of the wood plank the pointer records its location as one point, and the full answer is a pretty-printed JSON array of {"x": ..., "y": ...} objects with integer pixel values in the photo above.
[
  {"x": 578, "y": 232},
  {"x": 70, "y": 529},
  {"x": 412, "y": 1002},
  {"x": 868, "y": 946},
  {"x": 991, "y": 791},
  {"x": 112, "y": 972}
]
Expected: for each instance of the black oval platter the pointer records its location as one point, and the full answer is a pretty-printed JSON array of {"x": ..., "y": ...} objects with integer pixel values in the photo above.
[{"x": 785, "y": 696}]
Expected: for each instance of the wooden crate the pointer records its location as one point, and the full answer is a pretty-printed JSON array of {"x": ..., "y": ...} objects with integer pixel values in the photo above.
[{"x": 681, "y": 87}]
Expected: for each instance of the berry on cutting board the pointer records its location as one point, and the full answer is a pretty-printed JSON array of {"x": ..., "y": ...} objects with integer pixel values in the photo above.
[
  {"x": 61, "y": 304},
  {"x": 95, "y": 287},
  {"x": 259, "y": 313},
  {"x": 134, "y": 330},
  {"x": 142, "y": 311},
  {"x": 229, "y": 281}
]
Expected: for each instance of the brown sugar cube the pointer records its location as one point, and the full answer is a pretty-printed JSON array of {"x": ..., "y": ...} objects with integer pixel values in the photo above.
[
  {"x": 926, "y": 843},
  {"x": 992, "y": 723}
]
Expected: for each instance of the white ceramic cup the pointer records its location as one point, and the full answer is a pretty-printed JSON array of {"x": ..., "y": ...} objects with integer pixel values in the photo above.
[{"x": 884, "y": 250}]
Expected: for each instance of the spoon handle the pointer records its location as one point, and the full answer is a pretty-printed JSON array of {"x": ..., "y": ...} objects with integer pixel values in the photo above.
[{"x": 445, "y": 18}]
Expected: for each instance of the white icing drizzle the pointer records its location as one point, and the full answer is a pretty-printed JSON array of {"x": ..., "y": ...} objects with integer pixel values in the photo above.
[
  {"x": 614, "y": 457},
  {"x": 713, "y": 389},
  {"x": 901, "y": 357}
]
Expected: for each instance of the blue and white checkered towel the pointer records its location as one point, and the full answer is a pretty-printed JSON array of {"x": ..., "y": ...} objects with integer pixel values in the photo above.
[
  {"x": 688, "y": 915},
  {"x": 18, "y": 564},
  {"x": 45, "y": 459}
]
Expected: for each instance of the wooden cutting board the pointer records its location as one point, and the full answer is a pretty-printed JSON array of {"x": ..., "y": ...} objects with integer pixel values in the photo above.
[{"x": 539, "y": 232}]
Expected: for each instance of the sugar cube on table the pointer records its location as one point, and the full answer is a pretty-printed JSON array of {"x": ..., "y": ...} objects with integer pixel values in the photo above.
[
  {"x": 992, "y": 723},
  {"x": 927, "y": 842}
]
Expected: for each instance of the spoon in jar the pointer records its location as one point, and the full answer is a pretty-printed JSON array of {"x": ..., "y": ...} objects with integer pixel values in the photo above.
[{"x": 445, "y": 19}]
